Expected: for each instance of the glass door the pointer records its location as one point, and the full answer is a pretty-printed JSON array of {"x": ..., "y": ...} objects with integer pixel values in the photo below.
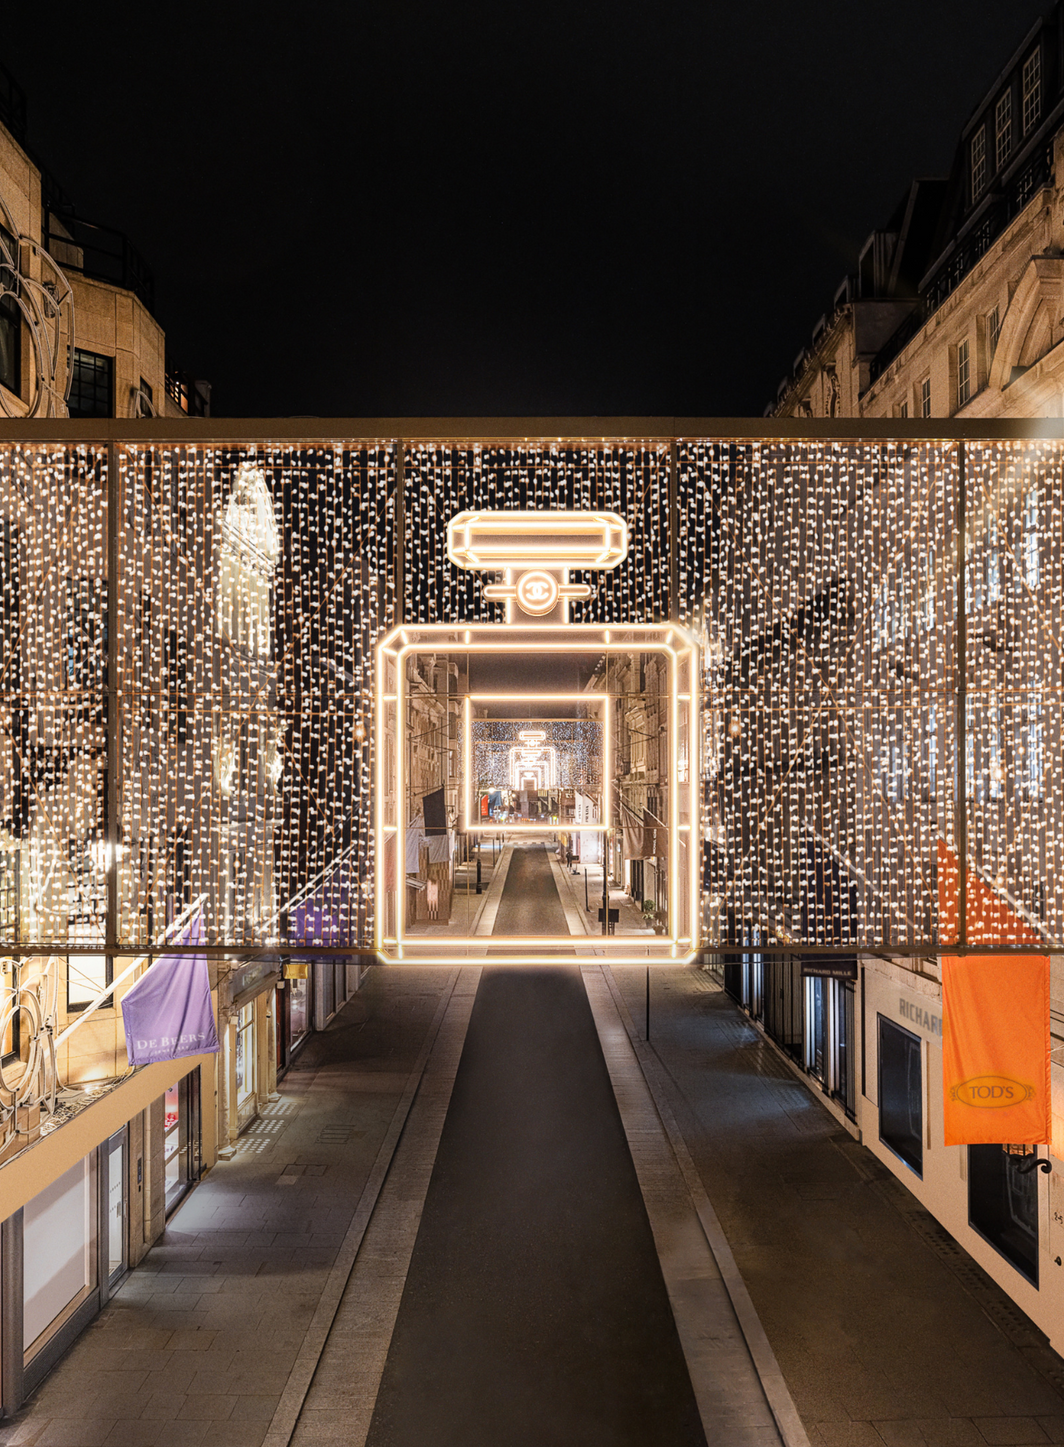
[
  {"x": 117, "y": 1205},
  {"x": 245, "y": 1066},
  {"x": 181, "y": 1138}
]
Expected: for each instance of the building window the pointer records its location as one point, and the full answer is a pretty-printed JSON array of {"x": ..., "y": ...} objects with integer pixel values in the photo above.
[
  {"x": 1003, "y": 1205},
  {"x": 176, "y": 676},
  {"x": 1032, "y": 90},
  {"x": 993, "y": 563},
  {"x": 903, "y": 409},
  {"x": 923, "y": 395},
  {"x": 994, "y": 757},
  {"x": 993, "y": 332},
  {"x": 964, "y": 373},
  {"x": 143, "y": 400},
  {"x": 901, "y": 1095},
  {"x": 87, "y": 975},
  {"x": 85, "y": 643},
  {"x": 1032, "y": 562},
  {"x": 932, "y": 750},
  {"x": 1032, "y": 749},
  {"x": 1003, "y": 130},
  {"x": 978, "y": 163},
  {"x": 10, "y": 316},
  {"x": 92, "y": 385}
]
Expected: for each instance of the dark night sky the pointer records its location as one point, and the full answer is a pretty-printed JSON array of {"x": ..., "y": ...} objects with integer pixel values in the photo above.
[{"x": 397, "y": 208}]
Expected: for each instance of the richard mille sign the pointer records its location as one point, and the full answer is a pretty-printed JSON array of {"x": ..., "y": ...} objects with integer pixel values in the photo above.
[{"x": 922, "y": 1014}]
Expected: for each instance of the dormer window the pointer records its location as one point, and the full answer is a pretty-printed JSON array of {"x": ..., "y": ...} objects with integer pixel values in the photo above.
[
  {"x": 1032, "y": 90},
  {"x": 1003, "y": 130},
  {"x": 978, "y": 163}
]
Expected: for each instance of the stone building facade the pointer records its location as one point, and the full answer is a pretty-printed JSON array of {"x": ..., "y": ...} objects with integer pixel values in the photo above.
[
  {"x": 956, "y": 310},
  {"x": 956, "y": 307}
]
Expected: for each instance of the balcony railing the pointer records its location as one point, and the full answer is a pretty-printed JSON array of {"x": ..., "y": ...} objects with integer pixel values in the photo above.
[{"x": 99, "y": 252}]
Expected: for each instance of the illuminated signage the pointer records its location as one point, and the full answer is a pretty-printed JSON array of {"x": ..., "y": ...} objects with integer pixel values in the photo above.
[{"x": 505, "y": 758}]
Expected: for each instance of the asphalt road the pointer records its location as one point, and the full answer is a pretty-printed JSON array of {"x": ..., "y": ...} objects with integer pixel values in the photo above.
[
  {"x": 534, "y": 1311},
  {"x": 530, "y": 903}
]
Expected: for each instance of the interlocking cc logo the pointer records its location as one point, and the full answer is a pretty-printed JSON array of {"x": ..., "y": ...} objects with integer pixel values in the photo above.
[{"x": 537, "y": 592}]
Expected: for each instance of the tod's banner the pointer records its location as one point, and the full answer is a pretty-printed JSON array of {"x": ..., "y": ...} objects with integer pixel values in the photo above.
[{"x": 995, "y": 1049}]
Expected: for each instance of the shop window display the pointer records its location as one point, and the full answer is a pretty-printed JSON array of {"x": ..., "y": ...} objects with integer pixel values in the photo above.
[
  {"x": 901, "y": 1113},
  {"x": 1003, "y": 1205}
]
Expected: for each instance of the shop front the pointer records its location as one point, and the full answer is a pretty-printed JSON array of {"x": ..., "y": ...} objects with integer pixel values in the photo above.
[
  {"x": 335, "y": 981},
  {"x": 63, "y": 1255},
  {"x": 181, "y": 1139},
  {"x": 292, "y": 1013},
  {"x": 249, "y": 1049}
]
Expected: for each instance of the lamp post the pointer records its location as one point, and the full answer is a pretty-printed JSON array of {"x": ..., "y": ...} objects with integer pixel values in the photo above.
[{"x": 605, "y": 880}]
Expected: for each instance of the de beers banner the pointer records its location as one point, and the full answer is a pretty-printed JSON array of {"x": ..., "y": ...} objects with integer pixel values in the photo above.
[
  {"x": 995, "y": 1047},
  {"x": 168, "y": 1012}
]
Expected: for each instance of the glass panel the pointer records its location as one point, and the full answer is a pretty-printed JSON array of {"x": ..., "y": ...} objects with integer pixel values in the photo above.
[
  {"x": 901, "y": 1100},
  {"x": 245, "y": 1055},
  {"x": 59, "y": 1256},
  {"x": 844, "y": 1073},
  {"x": 818, "y": 1009},
  {"x": 297, "y": 995},
  {"x": 116, "y": 1203},
  {"x": 1003, "y": 1204}
]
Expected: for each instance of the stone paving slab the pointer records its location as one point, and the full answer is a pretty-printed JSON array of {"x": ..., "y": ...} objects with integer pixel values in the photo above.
[{"x": 198, "y": 1342}]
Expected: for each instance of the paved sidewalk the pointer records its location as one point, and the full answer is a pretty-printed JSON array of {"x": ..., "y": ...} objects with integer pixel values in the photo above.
[
  {"x": 880, "y": 1343},
  {"x": 197, "y": 1345},
  {"x": 630, "y": 920}
]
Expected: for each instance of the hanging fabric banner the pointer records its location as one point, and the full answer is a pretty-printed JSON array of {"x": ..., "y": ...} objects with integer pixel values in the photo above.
[
  {"x": 995, "y": 1045},
  {"x": 633, "y": 834},
  {"x": 168, "y": 1012}
]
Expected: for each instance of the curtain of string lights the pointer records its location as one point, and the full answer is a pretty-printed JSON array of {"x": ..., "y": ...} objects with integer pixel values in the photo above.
[
  {"x": 878, "y": 702},
  {"x": 630, "y": 480},
  {"x": 577, "y": 744}
]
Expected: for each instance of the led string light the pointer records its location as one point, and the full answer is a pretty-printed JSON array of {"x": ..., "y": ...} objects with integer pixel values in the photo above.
[{"x": 821, "y": 577}]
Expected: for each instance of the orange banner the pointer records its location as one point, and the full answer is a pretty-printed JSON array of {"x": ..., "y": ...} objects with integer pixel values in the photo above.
[{"x": 995, "y": 1047}]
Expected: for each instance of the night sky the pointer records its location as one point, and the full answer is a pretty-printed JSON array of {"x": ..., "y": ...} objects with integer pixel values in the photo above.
[{"x": 410, "y": 209}]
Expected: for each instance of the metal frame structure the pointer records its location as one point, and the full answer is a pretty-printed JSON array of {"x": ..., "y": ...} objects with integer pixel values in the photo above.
[{"x": 670, "y": 438}]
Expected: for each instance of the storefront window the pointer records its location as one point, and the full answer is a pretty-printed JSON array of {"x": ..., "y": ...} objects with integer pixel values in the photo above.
[
  {"x": 59, "y": 1253},
  {"x": 181, "y": 1129},
  {"x": 1003, "y": 1205},
  {"x": 298, "y": 1010},
  {"x": 245, "y": 1063},
  {"x": 116, "y": 1204},
  {"x": 845, "y": 1082},
  {"x": 818, "y": 989},
  {"x": 325, "y": 976},
  {"x": 901, "y": 1108}
]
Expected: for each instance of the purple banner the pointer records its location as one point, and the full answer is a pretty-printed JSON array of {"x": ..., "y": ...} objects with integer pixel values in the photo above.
[
  {"x": 323, "y": 918},
  {"x": 168, "y": 1012}
]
